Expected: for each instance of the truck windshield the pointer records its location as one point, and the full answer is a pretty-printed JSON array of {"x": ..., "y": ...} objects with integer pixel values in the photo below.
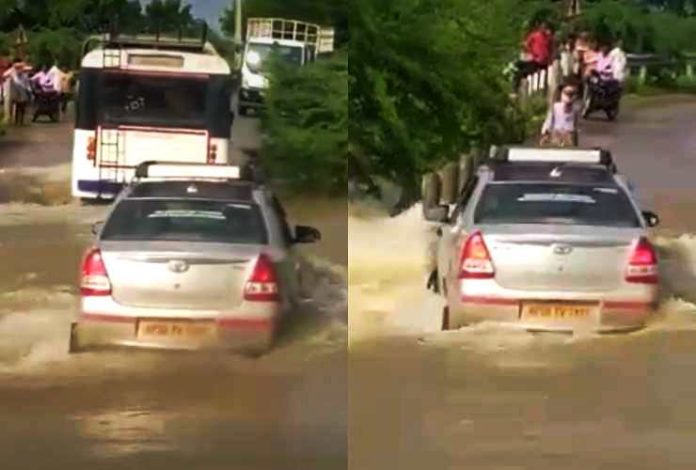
[
  {"x": 257, "y": 54},
  {"x": 162, "y": 101}
]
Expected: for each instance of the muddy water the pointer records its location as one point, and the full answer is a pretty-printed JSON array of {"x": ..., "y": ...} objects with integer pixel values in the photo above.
[
  {"x": 286, "y": 410},
  {"x": 487, "y": 397}
]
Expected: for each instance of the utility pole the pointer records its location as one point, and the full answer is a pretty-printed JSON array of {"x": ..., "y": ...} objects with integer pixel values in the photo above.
[{"x": 238, "y": 38}]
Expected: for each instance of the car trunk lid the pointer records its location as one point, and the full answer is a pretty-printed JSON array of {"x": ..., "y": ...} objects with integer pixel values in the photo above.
[
  {"x": 198, "y": 276},
  {"x": 559, "y": 258}
]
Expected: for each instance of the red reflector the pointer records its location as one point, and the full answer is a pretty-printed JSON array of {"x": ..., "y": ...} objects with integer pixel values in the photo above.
[
  {"x": 262, "y": 285},
  {"x": 475, "y": 260},
  {"x": 642, "y": 266},
  {"x": 94, "y": 280},
  {"x": 212, "y": 154},
  {"x": 92, "y": 148}
]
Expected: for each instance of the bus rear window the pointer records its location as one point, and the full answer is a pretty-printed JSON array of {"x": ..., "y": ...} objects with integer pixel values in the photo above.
[{"x": 140, "y": 100}]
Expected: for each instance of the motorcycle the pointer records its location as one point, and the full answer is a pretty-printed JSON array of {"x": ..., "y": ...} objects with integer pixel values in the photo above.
[{"x": 601, "y": 95}]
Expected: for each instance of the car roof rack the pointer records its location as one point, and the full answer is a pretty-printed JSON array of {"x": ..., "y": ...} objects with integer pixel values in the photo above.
[
  {"x": 162, "y": 170},
  {"x": 553, "y": 155}
]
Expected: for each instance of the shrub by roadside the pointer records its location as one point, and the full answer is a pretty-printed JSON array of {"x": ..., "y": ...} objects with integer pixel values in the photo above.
[{"x": 306, "y": 126}]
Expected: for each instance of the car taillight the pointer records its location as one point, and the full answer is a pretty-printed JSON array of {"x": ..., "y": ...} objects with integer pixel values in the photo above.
[
  {"x": 92, "y": 148},
  {"x": 94, "y": 280},
  {"x": 212, "y": 153},
  {"x": 475, "y": 261},
  {"x": 642, "y": 266},
  {"x": 262, "y": 285}
]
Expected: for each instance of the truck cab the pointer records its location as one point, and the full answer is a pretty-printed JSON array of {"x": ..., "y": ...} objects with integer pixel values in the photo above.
[{"x": 295, "y": 42}]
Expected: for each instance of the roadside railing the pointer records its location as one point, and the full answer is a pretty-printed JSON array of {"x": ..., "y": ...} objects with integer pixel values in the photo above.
[{"x": 639, "y": 66}]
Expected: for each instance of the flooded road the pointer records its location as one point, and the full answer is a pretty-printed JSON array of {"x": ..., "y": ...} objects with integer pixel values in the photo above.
[
  {"x": 487, "y": 397},
  {"x": 151, "y": 410}
]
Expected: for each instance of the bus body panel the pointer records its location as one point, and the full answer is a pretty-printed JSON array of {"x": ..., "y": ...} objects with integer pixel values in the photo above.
[
  {"x": 105, "y": 176},
  {"x": 132, "y": 115}
]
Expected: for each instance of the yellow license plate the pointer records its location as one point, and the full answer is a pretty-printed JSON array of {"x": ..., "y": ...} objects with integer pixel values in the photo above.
[
  {"x": 172, "y": 330},
  {"x": 555, "y": 311}
]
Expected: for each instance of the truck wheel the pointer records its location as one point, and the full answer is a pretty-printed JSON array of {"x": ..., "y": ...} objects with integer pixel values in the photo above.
[
  {"x": 449, "y": 177},
  {"x": 431, "y": 190}
]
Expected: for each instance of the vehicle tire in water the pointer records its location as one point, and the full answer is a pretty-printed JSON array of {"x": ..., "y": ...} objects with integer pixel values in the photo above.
[
  {"x": 449, "y": 176},
  {"x": 431, "y": 190}
]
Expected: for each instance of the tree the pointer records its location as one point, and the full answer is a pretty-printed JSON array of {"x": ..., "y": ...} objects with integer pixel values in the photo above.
[
  {"x": 162, "y": 14},
  {"x": 426, "y": 82}
]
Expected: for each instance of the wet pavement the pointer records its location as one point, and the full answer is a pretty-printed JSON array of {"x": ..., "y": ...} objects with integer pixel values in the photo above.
[
  {"x": 487, "y": 397},
  {"x": 149, "y": 410}
]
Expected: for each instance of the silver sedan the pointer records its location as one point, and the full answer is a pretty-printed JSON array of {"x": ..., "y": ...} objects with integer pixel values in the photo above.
[
  {"x": 189, "y": 262},
  {"x": 546, "y": 240}
]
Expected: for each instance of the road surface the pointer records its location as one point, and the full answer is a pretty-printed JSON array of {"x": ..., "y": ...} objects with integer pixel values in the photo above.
[
  {"x": 488, "y": 398},
  {"x": 287, "y": 410}
]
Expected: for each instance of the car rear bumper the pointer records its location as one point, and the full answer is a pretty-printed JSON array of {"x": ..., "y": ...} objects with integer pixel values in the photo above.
[
  {"x": 252, "y": 329},
  {"x": 621, "y": 310}
]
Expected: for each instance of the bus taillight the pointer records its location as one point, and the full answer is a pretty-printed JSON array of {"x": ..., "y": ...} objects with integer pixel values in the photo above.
[
  {"x": 212, "y": 154},
  {"x": 92, "y": 149}
]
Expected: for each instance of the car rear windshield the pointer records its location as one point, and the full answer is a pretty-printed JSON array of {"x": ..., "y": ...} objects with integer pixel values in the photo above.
[
  {"x": 555, "y": 204},
  {"x": 186, "y": 220}
]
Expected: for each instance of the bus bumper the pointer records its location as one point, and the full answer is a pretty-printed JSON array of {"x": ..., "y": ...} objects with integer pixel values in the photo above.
[{"x": 95, "y": 189}]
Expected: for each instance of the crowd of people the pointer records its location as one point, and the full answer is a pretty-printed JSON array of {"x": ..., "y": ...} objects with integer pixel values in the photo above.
[
  {"x": 47, "y": 88},
  {"x": 582, "y": 58}
]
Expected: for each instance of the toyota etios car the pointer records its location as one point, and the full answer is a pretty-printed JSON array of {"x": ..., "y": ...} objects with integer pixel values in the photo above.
[
  {"x": 190, "y": 256},
  {"x": 546, "y": 239}
]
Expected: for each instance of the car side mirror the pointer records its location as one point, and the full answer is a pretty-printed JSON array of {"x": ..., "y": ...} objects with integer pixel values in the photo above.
[
  {"x": 439, "y": 214},
  {"x": 97, "y": 227},
  {"x": 304, "y": 234},
  {"x": 651, "y": 219}
]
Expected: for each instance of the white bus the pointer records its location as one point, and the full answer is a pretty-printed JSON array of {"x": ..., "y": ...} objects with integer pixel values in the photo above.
[{"x": 148, "y": 98}]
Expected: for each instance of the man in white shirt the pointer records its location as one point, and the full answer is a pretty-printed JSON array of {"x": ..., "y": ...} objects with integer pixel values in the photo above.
[{"x": 618, "y": 62}]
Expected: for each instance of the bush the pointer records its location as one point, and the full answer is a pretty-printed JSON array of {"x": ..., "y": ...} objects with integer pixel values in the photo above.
[{"x": 306, "y": 125}]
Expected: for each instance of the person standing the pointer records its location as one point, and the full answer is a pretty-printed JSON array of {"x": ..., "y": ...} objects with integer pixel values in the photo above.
[
  {"x": 538, "y": 47},
  {"x": 560, "y": 129},
  {"x": 619, "y": 62},
  {"x": 20, "y": 90},
  {"x": 568, "y": 58}
]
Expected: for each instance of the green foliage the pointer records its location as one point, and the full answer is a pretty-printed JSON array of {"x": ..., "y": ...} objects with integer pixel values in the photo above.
[
  {"x": 650, "y": 26},
  {"x": 426, "y": 82},
  {"x": 47, "y": 46},
  {"x": 306, "y": 125},
  {"x": 56, "y": 28}
]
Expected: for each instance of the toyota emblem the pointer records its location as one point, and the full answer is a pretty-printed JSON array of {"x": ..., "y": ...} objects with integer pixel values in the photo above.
[
  {"x": 562, "y": 249},
  {"x": 178, "y": 266}
]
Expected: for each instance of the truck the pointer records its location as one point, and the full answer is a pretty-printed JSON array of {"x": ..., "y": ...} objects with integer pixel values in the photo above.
[{"x": 295, "y": 42}]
